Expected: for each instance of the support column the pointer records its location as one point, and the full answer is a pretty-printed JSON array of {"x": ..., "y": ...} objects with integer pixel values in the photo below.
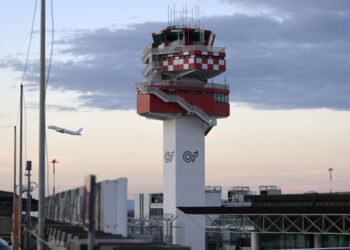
[
  {"x": 184, "y": 178},
  {"x": 317, "y": 241},
  {"x": 254, "y": 241}
]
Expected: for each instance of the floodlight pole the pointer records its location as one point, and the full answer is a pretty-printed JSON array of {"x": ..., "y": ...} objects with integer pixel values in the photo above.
[
  {"x": 20, "y": 170},
  {"x": 29, "y": 206},
  {"x": 41, "y": 215}
]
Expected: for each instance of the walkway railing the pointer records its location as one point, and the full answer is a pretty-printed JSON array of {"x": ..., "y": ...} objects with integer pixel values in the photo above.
[
  {"x": 177, "y": 48},
  {"x": 182, "y": 83}
]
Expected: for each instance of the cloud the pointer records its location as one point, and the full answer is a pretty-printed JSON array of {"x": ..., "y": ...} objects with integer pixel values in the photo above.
[
  {"x": 294, "y": 56},
  {"x": 61, "y": 107}
]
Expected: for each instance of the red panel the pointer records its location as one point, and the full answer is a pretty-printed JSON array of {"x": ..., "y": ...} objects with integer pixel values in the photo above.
[{"x": 149, "y": 103}]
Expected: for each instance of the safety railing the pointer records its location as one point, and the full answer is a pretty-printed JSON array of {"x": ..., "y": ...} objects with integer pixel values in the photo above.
[
  {"x": 150, "y": 66},
  {"x": 43, "y": 241},
  {"x": 177, "y": 48},
  {"x": 182, "y": 83}
]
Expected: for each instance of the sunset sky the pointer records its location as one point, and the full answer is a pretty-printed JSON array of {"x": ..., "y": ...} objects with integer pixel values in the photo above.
[{"x": 287, "y": 67}]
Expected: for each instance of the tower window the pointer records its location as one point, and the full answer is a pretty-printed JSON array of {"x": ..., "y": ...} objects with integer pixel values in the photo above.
[{"x": 220, "y": 97}]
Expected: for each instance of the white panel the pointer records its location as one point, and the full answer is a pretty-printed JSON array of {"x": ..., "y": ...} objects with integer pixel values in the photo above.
[
  {"x": 204, "y": 53},
  {"x": 146, "y": 202},
  {"x": 191, "y": 60},
  {"x": 222, "y": 62},
  {"x": 181, "y": 61},
  {"x": 137, "y": 206},
  {"x": 122, "y": 210},
  {"x": 198, "y": 60},
  {"x": 113, "y": 213},
  {"x": 204, "y": 66},
  {"x": 210, "y": 61},
  {"x": 216, "y": 67},
  {"x": 165, "y": 63},
  {"x": 171, "y": 68},
  {"x": 186, "y": 66},
  {"x": 213, "y": 199}
]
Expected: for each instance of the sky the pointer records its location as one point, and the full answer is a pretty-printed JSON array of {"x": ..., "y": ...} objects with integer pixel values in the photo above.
[{"x": 287, "y": 67}]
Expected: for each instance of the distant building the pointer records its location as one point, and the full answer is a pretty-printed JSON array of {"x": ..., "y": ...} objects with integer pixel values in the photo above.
[
  {"x": 237, "y": 194},
  {"x": 148, "y": 205},
  {"x": 151, "y": 204},
  {"x": 269, "y": 190}
]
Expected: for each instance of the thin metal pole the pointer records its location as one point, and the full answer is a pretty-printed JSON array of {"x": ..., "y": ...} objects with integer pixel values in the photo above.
[
  {"x": 28, "y": 222},
  {"x": 15, "y": 241},
  {"x": 41, "y": 215},
  {"x": 20, "y": 168},
  {"x": 14, "y": 169},
  {"x": 53, "y": 178}
]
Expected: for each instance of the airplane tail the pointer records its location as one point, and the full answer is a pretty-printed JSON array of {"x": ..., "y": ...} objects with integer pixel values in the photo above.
[{"x": 79, "y": 131}]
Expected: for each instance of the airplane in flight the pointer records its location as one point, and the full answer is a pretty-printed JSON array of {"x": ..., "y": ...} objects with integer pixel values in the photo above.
[{"x": 65, "y": 131}]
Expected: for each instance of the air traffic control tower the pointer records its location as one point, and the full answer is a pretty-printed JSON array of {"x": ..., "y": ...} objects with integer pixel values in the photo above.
[{"x": 179, "y": 62}]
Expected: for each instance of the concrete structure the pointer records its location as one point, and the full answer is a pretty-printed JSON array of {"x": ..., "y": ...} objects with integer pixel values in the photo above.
[
  {"x": 179, "y": 63},
  {"x": 111, "y": 206}
]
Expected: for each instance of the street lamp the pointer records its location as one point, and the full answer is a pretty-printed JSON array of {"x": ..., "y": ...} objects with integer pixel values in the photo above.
[{"x": 54, "y": 161}]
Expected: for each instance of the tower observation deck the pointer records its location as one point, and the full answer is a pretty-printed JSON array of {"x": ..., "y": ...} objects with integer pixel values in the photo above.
[{"x": 179, "y": 63}]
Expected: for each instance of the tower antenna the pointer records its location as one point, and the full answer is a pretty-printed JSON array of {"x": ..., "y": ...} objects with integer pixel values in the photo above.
[{"x": 192, "y": 17}]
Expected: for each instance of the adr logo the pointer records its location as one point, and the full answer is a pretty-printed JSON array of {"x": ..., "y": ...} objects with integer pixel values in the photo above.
[{"x": 189, "y": 156}]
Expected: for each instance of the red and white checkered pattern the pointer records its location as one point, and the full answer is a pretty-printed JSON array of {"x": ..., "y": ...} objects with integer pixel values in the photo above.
[{"x": 194, "y": 63}]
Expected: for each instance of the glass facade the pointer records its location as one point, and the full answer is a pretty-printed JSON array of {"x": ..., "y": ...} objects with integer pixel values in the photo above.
[
  {"x": 216, "y": 240},
  {"x": 156, "y": 212},
  {"x": 285, "y": 241},
  {"x": 335, "y": 240}
]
